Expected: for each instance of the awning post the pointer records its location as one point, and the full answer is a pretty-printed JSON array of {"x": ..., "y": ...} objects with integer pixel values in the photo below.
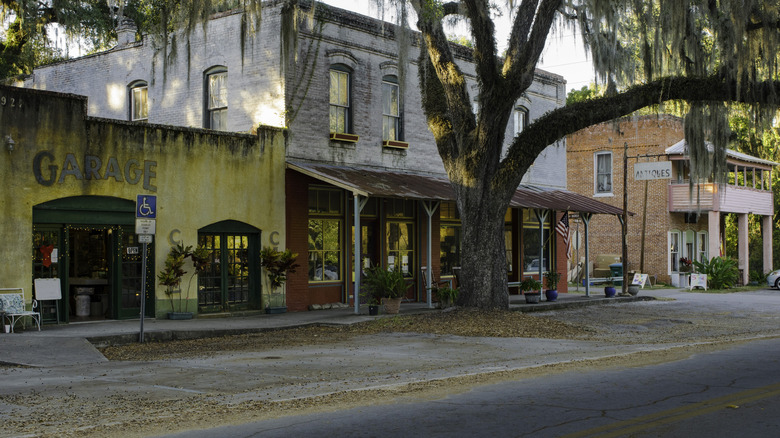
[
  {"x": 586, "y": 220},
  {"x": 359, "y": 202},
  {"x": 430, "y": 207}
]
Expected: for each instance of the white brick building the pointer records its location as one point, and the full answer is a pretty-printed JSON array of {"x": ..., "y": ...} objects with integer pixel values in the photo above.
[{"x": 338, "y": 104}]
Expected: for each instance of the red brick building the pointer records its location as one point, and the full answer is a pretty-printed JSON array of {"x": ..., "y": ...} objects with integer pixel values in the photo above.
[{"x": 673, "y": 224}]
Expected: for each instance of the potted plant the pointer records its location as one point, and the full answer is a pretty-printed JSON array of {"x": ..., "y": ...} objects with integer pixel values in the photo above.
[
  {"x": 277, "y": 265},
  {"x": 551, "y": 279},
  {"x": 447, "y": 296},
  {"x": 609, "y": 289},
  {"x": 386, "y": 285},
  {"x": 369, "y": 297},
  {"x": 531, "y": 288},
  {"x": 173, "y": 272}
]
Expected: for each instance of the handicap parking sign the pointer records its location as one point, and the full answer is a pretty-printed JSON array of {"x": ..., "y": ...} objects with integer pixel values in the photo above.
[{"x": 146, "y": 206}]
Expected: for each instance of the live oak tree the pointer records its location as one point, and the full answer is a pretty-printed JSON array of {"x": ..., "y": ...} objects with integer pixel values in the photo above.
[{"x": 703, "y": 55}]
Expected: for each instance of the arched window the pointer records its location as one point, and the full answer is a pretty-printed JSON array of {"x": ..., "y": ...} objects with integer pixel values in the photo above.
[
  {"x": 216, "y": 98},
  {"x": 139, "y": 106},
  {"x": 520, "y": 117}
]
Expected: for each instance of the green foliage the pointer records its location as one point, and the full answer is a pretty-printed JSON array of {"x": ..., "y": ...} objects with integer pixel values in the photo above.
[
  {"x": 171, "y": 275},
  {"x": 530, "y": 284},
  {"x": 551, "y": 279},
  {"x": 585, "y": 93},
  {"x": 447, "y": 294},
  {"x": 277, "y": 264},
  {"x": 384, "y": 283},
  {"x": 722, "y": 272},
  {"x": 756, "y": 276},
  {"x": 462, "y": 40}
]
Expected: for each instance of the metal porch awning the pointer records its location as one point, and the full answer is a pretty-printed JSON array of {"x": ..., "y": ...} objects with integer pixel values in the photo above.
[{"x": 385, "y": 183}]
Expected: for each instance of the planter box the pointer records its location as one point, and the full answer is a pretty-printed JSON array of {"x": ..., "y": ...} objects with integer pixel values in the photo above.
[
  {"x": 395, "y": 144},
  {"x": 343, "y": 136},
  {"x": 179, "y": 315}
]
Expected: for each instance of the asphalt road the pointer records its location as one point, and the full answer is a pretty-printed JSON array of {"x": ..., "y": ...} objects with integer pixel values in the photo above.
[{"x": 734, "y": 392}]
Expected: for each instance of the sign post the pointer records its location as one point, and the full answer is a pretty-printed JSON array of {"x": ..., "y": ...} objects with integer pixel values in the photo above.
[{"x": 145, "y": 227}]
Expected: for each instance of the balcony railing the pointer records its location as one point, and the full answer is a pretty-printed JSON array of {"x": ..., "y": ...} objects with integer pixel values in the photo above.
[{"x": 723, "y": 198}]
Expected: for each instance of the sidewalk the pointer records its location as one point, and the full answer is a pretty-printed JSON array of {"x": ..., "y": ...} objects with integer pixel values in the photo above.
[{"x": 74, "y": 344}]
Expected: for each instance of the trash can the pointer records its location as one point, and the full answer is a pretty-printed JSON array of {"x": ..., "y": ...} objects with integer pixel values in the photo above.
[{"x": 616, "y": 272}]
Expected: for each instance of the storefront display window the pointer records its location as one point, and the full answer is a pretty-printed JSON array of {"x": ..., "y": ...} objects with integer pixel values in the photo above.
[
  {"x": 531, "y": 243},
  {"x": 450, "y": 238},
  {"x": 325, "y": 238}
]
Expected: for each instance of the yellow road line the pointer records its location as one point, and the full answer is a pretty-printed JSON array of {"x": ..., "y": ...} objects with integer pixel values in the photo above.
[{"x": 678, "y": 414}]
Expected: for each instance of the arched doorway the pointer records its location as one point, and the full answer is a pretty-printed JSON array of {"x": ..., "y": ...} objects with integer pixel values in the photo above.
[{"x": 231, "y": 282}]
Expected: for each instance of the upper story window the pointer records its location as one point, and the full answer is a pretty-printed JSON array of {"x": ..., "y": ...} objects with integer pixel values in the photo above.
[
  {"x": 391, "y": 109},
  {"x": 603, "y": 183},
  {"x": 519, "y": 122},
  {"x": 139, "y": 107},
  {"x": 340, "y": 105},
  {"x": 520, "y": 117},
  {"x": 216, "y": 99}
]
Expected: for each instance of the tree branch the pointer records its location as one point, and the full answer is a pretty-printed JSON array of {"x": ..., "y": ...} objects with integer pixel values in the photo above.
[
  {"x": 483, "y": 32},
  {"x": 569, "y": 119},
  {"x": 519, "y": 69}
]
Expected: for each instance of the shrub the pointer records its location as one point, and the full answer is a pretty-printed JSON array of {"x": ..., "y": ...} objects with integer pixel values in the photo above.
[{"x": 722, "y": 272}]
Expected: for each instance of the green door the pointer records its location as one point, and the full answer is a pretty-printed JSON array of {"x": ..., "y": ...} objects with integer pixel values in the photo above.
[
  {"x": 230, "y": 282},
  {"x": 129, "y": 268}
]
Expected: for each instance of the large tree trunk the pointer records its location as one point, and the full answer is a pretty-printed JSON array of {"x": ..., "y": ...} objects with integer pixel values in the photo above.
[{"x": 484, "y": 263}]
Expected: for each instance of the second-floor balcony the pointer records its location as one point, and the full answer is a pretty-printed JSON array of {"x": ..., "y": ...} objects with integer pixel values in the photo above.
[{"x": 725, "y": 198}]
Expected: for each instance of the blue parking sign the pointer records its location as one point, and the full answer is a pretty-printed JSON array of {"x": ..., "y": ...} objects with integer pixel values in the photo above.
[{"x": 146, "y": 206}]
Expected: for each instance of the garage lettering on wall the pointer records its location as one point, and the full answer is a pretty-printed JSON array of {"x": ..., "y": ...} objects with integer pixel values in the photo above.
[{"x": 47, "y": 172}]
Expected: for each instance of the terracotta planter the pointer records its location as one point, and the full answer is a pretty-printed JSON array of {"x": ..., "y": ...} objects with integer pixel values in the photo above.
[{"x": 392, "y": 305}]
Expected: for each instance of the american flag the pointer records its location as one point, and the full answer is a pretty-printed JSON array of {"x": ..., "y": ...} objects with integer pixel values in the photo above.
[{"x": 563, "y": 229}]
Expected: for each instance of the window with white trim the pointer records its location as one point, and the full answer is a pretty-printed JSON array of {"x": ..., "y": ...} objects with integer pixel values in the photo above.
[
  {"x": 391, "y": 109},
  {"x": 520, "y": 117},
  {"x": 674, "y": 251},
  {"x": 603, "y": 172},
  {"x": 702, "y": 253},
  {"x": 139, "y": 109},
  {"x": 340, "y": 108},
  {"x": 217, "y": 99}
]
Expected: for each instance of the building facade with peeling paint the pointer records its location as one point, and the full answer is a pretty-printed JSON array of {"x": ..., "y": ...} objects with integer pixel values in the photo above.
[
  {"x": 356, "y": 133},
  {"x": 71, "y": 186}
]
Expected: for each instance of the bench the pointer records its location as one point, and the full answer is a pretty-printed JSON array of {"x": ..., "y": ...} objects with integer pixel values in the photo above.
[{"x": 12, "y": 307}]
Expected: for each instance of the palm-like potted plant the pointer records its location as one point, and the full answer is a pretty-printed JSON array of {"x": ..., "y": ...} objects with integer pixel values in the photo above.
[
  {"x": 386, "y": 285},
  {"x": 277, "y": 265},
  {"x": 531, "y": 288},
  {"x": 173, "y": 272},
  {"x": 551, "y": 279}
]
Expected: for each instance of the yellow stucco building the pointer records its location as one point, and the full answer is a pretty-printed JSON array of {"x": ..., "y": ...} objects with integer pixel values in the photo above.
[{"x": 71, "y": 184}]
